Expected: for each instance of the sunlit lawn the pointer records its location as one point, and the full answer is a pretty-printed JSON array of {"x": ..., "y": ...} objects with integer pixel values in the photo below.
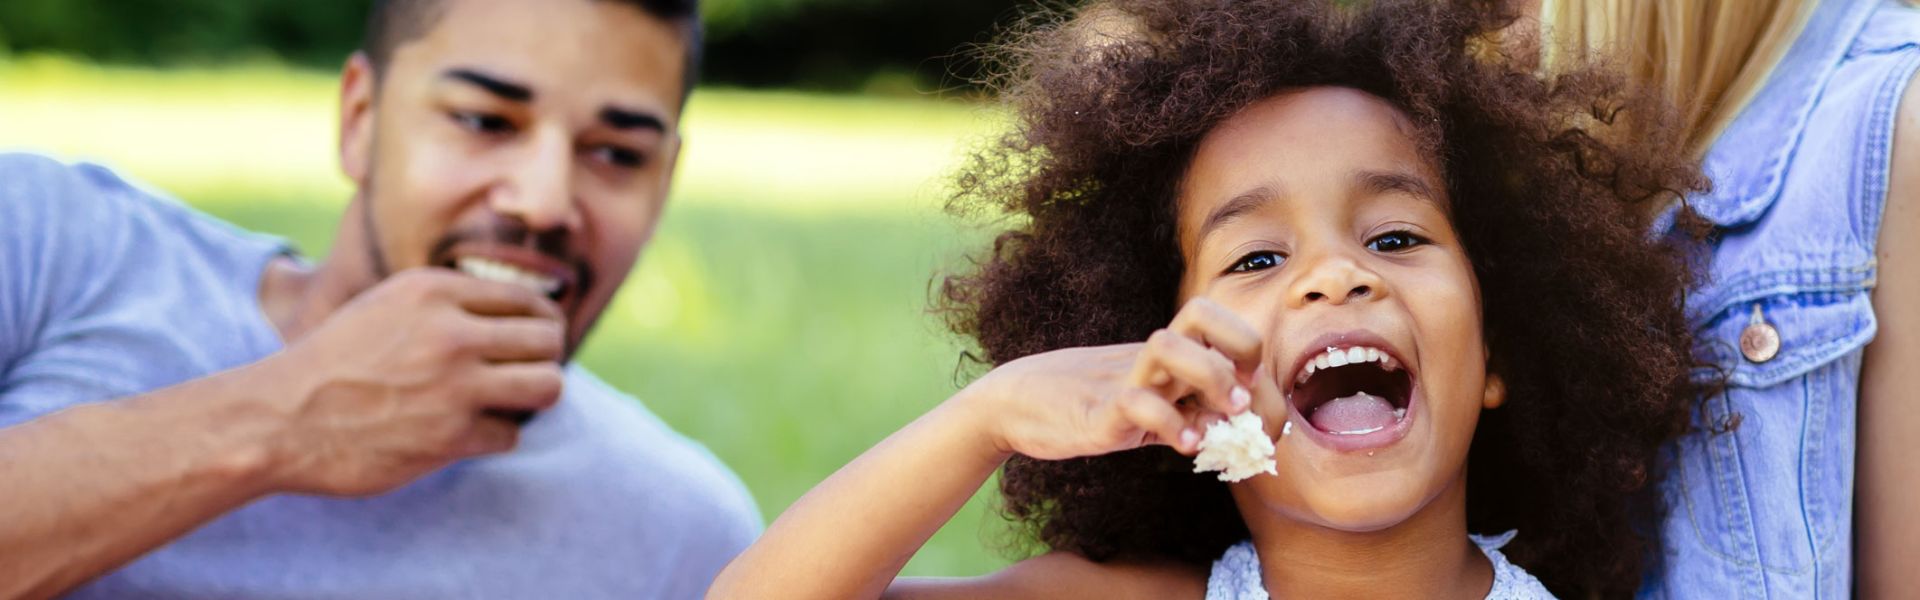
[{"x": 779, "y": 317}]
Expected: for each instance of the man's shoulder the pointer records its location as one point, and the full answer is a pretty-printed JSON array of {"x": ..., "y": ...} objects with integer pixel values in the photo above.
[
  {"x": 37, "y": 189},
  {"x": 26, "y": 166},
  {"x": 45, "y": 201},
  {"x": 54, "y": 201},
  {"x": 59, "y": 225}
]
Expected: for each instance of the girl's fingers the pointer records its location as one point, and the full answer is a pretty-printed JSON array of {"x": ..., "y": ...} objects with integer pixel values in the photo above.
[
  {"x": 1216, "y": 327},
  {"x": 1146, "y": 411},
  {"x": 1193, "y": 367}
]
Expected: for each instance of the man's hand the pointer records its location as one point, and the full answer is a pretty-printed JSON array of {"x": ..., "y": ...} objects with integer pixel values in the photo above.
[{"x": 407, "y": 377}]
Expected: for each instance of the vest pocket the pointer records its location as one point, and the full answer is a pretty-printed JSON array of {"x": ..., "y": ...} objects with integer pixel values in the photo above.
[
  {"x": 1810, "y": 328},
  {"x": 1774, "y": 492}
]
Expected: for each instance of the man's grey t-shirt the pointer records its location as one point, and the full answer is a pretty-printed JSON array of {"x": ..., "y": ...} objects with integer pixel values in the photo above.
[{"x": 108, "y": 291}]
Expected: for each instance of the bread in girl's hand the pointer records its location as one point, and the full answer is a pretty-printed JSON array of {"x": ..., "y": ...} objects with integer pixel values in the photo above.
[{"x": 1237, "y": 447}]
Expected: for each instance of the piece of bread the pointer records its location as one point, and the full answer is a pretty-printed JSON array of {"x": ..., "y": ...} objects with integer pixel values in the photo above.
[{"x": 1238, "y": 448}]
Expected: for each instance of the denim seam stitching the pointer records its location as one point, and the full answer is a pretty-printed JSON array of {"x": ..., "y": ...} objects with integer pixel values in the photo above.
[
  {"x": 1806, "y": 446},
  {"x": 1878, "y": 148},
  {"x": 1749, "y": 287}
]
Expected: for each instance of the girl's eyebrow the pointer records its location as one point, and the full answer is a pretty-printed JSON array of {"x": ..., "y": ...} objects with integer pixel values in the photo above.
[
  {"x": 1246, "y": 202},
  {"x": 1375, "y": 183}
]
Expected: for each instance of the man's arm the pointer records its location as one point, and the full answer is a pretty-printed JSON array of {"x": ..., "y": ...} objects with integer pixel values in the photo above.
[
  {"x": 92, "y": 487},
  {"x": 394, "y": 385},
  {"x": 1888, "y": 468}
]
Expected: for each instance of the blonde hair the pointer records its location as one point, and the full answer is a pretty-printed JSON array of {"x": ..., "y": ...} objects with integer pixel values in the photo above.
[{"x": 1710, "y": 57}]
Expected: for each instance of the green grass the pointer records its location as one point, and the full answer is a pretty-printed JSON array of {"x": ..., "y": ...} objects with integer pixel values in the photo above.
[{"x": 779, "y": 316}]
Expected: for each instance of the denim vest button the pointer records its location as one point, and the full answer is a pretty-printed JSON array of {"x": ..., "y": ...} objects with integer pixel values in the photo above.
[{"x": 1759, "y": 342}]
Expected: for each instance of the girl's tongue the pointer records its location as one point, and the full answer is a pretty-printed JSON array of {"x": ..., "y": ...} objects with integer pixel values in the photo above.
[{"x": 1357, "y": 414}]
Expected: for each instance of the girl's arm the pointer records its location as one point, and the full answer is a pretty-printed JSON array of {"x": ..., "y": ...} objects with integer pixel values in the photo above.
[
  {"x": 851, "y": 535},
  {"x": 1887, "y": 474}
]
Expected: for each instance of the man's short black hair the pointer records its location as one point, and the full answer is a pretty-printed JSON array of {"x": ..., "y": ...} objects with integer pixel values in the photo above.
[{"x": 391, "y": 23}]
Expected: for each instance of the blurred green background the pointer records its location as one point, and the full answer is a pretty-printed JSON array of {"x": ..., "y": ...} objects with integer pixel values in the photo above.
[{"x": 780, "y": 314}]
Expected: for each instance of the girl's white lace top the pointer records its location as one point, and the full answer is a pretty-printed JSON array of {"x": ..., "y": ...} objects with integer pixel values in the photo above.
[{"x": 1236, "y": 576}]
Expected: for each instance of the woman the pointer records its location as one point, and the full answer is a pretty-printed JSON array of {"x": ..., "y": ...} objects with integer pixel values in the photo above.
[{"x": 1811, "y": 307}]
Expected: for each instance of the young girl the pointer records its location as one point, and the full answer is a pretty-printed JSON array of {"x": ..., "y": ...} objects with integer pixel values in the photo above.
[{"x": 1420, "y": 264}]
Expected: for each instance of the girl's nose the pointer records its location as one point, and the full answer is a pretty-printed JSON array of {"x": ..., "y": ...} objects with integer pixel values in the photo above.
[{"x": 1336, "y": 279}]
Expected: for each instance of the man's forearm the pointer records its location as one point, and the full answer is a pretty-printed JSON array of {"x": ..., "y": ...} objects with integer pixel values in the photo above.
[{"x": 91, "y": 488}]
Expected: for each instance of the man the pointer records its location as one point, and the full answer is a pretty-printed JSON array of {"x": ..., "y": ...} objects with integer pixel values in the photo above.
[{"x": 187, "y": 410}]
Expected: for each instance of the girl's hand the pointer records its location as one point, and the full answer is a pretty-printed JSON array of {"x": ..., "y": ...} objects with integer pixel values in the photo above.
[
  {"x": 849, "y": 536},
  {"x": 1091, "y": 401}
]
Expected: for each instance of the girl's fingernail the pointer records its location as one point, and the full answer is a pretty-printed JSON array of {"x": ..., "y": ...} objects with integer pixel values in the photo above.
[
  {"x": 1240, "y": 397},
  {"x": 1188, "y": 438}
]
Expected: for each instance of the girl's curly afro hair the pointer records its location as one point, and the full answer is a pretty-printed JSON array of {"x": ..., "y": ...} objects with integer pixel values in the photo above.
[{"x": 1552, "y": 180}]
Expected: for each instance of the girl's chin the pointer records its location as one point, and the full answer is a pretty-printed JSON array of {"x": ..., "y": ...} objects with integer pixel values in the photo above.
[{"x": 1348, "y": 496}]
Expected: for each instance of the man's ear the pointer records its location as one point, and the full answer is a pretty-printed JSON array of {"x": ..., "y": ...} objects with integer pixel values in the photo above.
[
  {"x": 356, "y": 118},
  {"x": 1495, "y": 394}
]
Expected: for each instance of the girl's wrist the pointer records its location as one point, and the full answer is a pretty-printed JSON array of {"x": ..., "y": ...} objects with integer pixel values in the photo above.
[{"x": 973, "y": 410}]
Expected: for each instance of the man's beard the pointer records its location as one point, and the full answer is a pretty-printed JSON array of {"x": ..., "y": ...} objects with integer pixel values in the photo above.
[{"x": 375, "y": 255}]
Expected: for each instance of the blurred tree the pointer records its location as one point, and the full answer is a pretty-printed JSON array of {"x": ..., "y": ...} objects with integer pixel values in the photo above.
[
  {"x": 833, "y": 44},
  {"x": 842, "y": 43}
]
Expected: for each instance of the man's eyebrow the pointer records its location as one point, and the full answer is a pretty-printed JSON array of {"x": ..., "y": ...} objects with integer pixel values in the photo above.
[
  {"x": 1237, "y": 207},
  {"x": 1375, "y": 183},
  {"x": 620, "y": 118},
  {"x": 499, "y": 87}
]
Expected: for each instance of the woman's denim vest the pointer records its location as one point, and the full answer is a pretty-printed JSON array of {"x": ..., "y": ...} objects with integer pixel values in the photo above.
[{"x": 1765, "y": 510}]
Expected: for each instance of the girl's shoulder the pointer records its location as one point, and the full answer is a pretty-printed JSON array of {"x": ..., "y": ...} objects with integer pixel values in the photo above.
[
  {"x": 1065, "y": 575},
  {"x": 1510, "y": 582}
]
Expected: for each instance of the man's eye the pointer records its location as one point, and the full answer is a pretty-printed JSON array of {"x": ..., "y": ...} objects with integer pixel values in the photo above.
[
  {"x": 1395, "y": 241},
  {"x": 1257, "y": 261},
  {"x": 618, "y": 156},
  {"x": 483, "y": 123}
]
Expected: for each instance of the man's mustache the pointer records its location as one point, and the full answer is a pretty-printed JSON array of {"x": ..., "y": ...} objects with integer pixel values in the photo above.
[
  {"x": 553, "y": 243},
  {"x": 509, "y": 232}
]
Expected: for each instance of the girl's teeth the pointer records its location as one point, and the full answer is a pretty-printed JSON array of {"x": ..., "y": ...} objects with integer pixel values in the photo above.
[{"x": 1338, "y": 357}]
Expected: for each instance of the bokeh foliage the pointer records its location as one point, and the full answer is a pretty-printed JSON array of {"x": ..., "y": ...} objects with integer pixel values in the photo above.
[{"x": 819, "y": 44}]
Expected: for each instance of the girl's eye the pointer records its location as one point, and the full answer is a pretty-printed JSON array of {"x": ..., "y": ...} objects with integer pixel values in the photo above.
[
  {"x": 483, "y": 123},
  {"x": 1395, "y": 241},
  {"x": 1257, "y": 261}
]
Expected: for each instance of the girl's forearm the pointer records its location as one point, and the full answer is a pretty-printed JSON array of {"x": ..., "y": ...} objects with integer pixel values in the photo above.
[{"x": 850, "y": 536}]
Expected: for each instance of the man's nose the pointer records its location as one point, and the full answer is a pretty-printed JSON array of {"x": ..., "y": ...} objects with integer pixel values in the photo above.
[{"x": 538, "y": 187}]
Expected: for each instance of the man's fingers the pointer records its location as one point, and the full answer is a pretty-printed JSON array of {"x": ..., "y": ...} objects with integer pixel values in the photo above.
[
  {"x": 519, "y": 338},
  {"x": 490, "y": 435},
  {"x": 498, "y": 299},
  {"x": 1216, "y": 327},
  {"x": 1192, "y": 366},
  {"x": 520, "y": 386},
  {"x": 1164, "y": 424}
]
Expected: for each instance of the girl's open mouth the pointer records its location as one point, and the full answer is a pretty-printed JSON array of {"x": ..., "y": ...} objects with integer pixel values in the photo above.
[{"x": 1353, "y": 397}]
